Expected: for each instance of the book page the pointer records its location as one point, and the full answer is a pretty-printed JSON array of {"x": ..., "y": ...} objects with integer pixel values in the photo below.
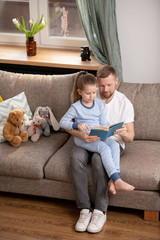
[{"x": 103, "y": 128}]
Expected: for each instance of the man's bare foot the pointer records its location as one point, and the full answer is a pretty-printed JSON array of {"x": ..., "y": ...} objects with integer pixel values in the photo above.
[
  {"x": 121, "y": 185},
  {"x": 111, "y": 187}
]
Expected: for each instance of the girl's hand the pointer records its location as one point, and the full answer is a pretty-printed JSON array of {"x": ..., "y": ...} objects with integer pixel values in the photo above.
[{"x": 83, "y": 127}]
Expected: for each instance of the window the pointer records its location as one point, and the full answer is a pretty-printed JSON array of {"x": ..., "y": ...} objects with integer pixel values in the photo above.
[
  {"x": 64, "y": 26},
  {"x": 8, "y": 11}
]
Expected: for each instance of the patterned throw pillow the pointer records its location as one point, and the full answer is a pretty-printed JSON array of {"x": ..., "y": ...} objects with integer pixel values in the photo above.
[
  {"x": 7, "y": 105},
  {"x": 1, "y": 100}
]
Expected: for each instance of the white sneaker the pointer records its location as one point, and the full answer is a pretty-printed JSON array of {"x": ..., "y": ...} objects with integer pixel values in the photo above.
[
  {"x": 83, "y": 221},
  {"x": 97, "y": 221}
]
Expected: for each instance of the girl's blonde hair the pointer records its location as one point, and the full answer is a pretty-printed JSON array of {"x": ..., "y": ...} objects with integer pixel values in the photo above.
[{"x": 82, "y": 78}]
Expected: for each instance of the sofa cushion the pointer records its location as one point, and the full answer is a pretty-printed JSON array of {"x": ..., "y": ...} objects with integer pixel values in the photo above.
[
  {"x": 28, "y": 160},
  {"x": 146, "y": 102},
  {"x": 41, "y": 90},
  {"x": 140, "y": 165},
  {"x": 57, "y": 167}
]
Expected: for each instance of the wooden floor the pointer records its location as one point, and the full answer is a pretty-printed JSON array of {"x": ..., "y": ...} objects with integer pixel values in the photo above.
[{"x": 36, "y": 218}]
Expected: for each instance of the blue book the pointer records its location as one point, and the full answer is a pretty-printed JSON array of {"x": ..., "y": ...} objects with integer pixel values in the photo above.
[{"x": 104, "y": 132}]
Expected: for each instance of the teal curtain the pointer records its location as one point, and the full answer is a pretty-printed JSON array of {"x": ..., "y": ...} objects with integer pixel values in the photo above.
[{"x": 98, "y": 18}]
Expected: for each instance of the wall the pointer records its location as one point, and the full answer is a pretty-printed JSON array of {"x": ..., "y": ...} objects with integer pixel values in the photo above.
[{"x": 139, "y": 35}]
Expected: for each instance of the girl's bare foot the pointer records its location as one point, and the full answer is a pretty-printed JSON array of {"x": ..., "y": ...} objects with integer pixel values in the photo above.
[
  {"x": 111, "y": 187},
  {"x": 121, "y": 185}
]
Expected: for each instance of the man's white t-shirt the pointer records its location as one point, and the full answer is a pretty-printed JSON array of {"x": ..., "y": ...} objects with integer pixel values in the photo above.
[{"x": 119, "y": 109}]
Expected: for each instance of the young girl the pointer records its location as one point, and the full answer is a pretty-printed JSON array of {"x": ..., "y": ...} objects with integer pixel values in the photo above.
[{"x": 87, "y": 112}]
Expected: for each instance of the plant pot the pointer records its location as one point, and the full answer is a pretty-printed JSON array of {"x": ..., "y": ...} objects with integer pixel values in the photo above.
[{"x": 31, "y": 46}]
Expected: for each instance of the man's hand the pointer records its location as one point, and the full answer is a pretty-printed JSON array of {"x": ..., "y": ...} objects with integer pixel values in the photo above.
[
  {"x": 122, "y": 131},
  {"x": 83, "y": 127},
  {"x": 89, "y": 139},
  {"x": 83, "y": 135},
  {"x": 126, "y": 132}
]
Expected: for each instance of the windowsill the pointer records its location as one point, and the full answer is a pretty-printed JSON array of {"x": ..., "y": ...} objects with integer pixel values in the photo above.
[{"x": 57, "y": 58}]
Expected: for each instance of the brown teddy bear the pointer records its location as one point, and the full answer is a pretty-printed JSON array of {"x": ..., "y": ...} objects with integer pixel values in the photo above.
[{"x": 11, "y": 128}]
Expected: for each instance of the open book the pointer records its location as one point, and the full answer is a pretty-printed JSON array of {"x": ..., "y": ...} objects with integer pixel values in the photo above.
[{"x": 104, "y": 132}]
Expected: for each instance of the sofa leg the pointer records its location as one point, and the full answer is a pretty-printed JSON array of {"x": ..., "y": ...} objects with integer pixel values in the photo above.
[{"x": 151, "y": 216}]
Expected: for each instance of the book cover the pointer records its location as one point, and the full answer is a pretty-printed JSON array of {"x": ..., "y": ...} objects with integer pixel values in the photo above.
[{"x": 104, "y": 132}]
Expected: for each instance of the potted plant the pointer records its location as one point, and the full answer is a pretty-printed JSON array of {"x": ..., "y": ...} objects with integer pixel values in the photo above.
[{"x": 34, "y": 29}]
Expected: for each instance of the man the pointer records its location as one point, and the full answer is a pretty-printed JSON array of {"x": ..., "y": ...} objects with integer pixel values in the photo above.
[{"x": 118, "y": 109}]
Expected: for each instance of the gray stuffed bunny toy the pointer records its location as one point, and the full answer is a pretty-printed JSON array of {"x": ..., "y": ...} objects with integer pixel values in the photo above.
[{"x": 45, "y": 112}]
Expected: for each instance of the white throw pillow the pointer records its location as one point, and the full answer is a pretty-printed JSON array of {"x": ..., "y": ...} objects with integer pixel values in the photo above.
[{"x": 7, "y": 105}]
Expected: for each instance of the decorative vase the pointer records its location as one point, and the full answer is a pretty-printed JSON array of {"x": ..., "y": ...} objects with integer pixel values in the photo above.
[{"x": 31, "y": 46}]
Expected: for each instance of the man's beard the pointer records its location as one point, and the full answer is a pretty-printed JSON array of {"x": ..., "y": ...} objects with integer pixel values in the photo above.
[{"x": 107, "y": 95}]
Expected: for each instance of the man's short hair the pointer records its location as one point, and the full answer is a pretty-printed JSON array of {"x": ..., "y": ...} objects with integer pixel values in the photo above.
[{"x": 105, "y": 71}]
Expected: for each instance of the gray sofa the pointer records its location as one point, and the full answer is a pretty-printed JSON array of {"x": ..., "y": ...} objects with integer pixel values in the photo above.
[{"x": 42, "y": 168}]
